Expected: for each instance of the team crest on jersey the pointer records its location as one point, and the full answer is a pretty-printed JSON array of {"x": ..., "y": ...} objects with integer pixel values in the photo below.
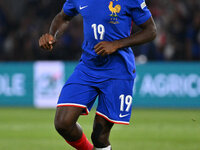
[{"x": 115, "y": 10}]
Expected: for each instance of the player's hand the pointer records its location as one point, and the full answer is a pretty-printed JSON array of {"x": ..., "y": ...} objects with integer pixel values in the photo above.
[
  {"x": 47, "y": 41},
  {"x": 106, "y": 48}
]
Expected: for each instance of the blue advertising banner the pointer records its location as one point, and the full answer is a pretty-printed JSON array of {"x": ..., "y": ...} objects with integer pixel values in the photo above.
[
  {"x": 16, "y": 84},
  {"x": 168, "y": 85},
  {"x": 157, "y": 85}
]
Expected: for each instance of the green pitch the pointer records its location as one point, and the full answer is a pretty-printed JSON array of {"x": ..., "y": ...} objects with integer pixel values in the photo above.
[{"x": 32, "y": 129}]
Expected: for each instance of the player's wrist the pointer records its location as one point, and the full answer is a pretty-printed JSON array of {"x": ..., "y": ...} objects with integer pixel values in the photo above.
[{"x": 117, "y": 44}]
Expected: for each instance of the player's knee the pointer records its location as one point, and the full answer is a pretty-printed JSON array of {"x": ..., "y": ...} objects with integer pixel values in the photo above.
[{"x": 62, "y": 125}]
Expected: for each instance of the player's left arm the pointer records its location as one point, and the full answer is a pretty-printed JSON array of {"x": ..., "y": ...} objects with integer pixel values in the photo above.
[{"x": 147, "y": 34}]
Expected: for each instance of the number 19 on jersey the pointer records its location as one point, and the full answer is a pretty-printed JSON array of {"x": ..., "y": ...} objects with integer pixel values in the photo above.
[{"x": 99, "y": 31}]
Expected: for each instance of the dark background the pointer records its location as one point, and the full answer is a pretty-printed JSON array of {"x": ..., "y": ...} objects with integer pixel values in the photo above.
[{"x": 23, "y": 22}]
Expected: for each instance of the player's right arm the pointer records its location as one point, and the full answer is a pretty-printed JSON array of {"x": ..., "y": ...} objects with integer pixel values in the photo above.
[{"x": 57, "y": 28}]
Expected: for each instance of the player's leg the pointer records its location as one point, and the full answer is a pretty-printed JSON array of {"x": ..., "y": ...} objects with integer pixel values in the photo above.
[
  {"x": 101, "y": 133},
  {"x": 75, "y": 99},
  {"x": 67, "y": 126},
  {"x": 115, "y": 105},
  {"x": 66, "y": 122}
]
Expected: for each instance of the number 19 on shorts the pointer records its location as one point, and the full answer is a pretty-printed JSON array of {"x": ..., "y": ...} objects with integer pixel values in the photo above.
[{"x": 126, "y": 102}]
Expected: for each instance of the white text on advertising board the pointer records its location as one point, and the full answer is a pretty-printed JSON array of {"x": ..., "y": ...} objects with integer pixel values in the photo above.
[
  {"x": 12, "y": 85},
  {"x": 162, "y": 85}
]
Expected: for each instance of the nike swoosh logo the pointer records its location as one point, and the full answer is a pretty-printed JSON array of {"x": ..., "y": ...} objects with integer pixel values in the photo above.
[
  {"x": 122, "y": 116},
  {"x": 83, "y": 7}
]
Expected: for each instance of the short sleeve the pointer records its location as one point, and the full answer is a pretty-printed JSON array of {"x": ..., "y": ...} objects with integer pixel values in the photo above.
[
  {"x": 69, "y": 8},
  {"x": 139, "y": 11}
]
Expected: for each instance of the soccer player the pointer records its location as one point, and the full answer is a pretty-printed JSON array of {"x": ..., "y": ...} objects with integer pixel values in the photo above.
[{"x": 106, "y": 68}]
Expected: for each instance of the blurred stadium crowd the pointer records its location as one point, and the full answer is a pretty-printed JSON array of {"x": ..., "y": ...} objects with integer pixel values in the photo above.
[{"x": 22, "y": 22}]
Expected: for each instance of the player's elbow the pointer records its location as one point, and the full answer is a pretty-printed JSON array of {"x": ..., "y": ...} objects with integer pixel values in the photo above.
[{"x": 153, "y": 32}]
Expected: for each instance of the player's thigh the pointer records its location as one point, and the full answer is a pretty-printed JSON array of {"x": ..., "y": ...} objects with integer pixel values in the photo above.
[
  {"x": 115, "y": 101},
  {"x": 75, "y": 99},
  {"x": 67, "y": 116},
  {"x": 101, "y": 125}
]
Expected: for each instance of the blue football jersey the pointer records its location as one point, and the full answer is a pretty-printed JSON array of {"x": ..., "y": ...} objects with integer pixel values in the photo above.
[{"x": 107, "y": 20}]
